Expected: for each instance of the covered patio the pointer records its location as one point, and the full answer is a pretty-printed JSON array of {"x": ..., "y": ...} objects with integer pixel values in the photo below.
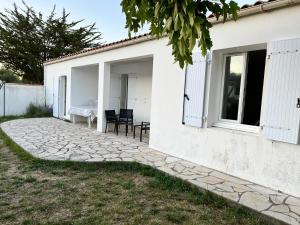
[
  {"x": 84, "y": 94},
  {"x": 127, "y": 97},
  {"x": 124, "y": 84},
  {"x": 53, "y": 139}
]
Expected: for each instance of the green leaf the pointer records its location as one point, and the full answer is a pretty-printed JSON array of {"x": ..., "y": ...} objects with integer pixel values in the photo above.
[
  {"x": 189, "y": 59},
  {"x": 175, "y": 11},
  {"x": 192, "y": 43},
  {"x": 181, "y": 19},
  {"x": 191, "y": 18},
  {"x": 184, "y": 22},
  {"x": 157, "y": 8},
  {"x": 181, "y": 47},
  {"x": 176, "y": 23},
  {"x": 169, "y": 23},
  {"x": 197, "y": 27}
]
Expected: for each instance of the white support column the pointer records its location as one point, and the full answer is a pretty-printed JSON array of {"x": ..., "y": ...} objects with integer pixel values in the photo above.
[{"x": 103, "y": 94}]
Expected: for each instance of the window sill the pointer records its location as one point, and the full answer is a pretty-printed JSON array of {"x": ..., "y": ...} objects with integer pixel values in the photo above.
[{"x": 239, "y": 127}]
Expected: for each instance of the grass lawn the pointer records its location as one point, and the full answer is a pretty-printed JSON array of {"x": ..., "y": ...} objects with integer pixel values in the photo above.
[{"x": 36, "y": 191}]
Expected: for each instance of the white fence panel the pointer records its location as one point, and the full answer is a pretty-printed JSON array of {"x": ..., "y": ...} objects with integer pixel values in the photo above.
[{"x": 19, "y": 96}]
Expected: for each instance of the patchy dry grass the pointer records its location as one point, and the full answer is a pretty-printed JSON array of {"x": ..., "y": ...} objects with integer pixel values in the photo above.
[
  {"x": 34, "y": 191},
  {"x": 8, "y": 118}
]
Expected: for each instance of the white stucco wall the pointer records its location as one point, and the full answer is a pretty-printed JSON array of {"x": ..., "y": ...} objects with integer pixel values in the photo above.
[
  {"x": 51, "y": 82},
  {"x": 242, "y": 154},
  {"x": 246, "y": 155},
  {"x": 84, "y": 85},
  {"x": 18, "y": 97}
]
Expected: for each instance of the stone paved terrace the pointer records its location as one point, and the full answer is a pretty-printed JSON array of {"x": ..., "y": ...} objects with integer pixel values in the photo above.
[{"x": 53, "y": 139}]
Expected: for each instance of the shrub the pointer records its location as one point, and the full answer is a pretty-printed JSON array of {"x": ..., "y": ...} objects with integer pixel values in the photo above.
[{"x": 38, "y": 111}]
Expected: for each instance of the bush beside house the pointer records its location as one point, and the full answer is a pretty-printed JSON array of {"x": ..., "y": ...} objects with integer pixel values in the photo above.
[{"x": 33, "y": 111}]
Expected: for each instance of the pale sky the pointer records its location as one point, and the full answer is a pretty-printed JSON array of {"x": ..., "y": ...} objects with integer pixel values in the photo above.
[{"x": 106, "y": 13}]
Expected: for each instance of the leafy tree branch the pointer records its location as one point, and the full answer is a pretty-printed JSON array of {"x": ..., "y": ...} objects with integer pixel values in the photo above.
[{"x": 185, "y": 22}]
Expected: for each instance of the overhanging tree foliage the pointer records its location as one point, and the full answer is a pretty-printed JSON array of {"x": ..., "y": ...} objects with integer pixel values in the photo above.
[
  {"x": 183, "y": 21},
  {"x": 27, "y": 39},
  {"x": 8, "y": 76}
]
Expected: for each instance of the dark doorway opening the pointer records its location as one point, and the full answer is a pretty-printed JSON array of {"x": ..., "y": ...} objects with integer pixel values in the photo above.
[{"x": 254, "y": 87}]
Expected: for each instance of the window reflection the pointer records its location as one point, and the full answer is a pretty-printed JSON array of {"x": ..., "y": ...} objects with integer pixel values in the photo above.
[{"x": 232, "y": 85}]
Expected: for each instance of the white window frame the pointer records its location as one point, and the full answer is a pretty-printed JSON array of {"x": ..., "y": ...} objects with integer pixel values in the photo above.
[
  {"x": 235, "y": 124},
  {"x": 242, "y": 89}
]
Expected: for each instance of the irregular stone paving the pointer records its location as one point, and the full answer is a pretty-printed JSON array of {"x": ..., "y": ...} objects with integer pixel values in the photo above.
[{"x": 53, "y": 139}]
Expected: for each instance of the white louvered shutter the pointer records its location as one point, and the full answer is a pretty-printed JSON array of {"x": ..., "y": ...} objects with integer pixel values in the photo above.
[
  {"x": 281, "y": 110},
  {"x": 194, "y": 95}
]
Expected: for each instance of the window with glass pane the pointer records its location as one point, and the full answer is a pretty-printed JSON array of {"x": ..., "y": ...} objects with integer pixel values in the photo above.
[{"x": 232, "y": 86}]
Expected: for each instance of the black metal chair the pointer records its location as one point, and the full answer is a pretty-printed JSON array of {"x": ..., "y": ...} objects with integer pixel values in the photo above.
[
  {"x": 126, "y": 118},
  {"x": 144, "y": 126},
  {"x": 111, "y": 117}
]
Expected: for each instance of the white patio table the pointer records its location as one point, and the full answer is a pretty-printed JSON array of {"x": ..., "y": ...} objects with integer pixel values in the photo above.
[{"x": 90, "y": 112}]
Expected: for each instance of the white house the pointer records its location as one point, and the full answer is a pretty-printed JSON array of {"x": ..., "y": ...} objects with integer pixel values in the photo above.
[{"x": 236, "y": 111}]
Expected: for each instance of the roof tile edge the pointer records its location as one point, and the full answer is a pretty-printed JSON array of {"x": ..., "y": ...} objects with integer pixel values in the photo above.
[{"x": 103, "y": 48}]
